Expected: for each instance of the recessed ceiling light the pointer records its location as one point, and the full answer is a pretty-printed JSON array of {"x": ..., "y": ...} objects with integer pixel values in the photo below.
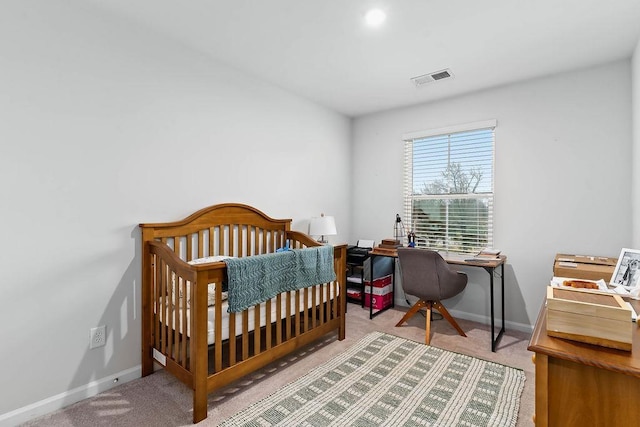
[{"x": 375, "y": 17}]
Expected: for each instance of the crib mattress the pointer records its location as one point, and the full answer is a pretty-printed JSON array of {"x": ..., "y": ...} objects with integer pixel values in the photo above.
[{"x": 251, "y": 316}]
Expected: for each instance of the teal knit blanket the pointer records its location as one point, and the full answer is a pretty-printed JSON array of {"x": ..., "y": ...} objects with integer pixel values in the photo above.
[{"x": 255, "y": 279}]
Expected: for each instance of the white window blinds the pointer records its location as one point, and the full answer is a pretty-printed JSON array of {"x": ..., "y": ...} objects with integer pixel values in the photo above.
[{"x": 448, "y": 187}]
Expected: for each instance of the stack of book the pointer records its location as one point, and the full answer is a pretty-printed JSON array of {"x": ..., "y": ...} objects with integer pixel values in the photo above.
[
  {"x": 388, "y": 246},
  {"x": 487, "y": 254}
]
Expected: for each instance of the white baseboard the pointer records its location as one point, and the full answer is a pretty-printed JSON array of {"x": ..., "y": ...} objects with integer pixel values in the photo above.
[
  {"x": 59, "y": 401},
  {"x": 485, "y": 320}
]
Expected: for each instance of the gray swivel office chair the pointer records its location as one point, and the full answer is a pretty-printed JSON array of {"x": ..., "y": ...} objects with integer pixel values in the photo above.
[{"x": 426, "y": 275}]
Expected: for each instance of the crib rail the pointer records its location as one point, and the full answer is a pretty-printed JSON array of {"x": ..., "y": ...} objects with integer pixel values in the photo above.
[{"x": 228, "y": 229}]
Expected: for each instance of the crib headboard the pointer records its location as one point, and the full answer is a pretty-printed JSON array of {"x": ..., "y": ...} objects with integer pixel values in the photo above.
[{"x": 229, "y": 229}]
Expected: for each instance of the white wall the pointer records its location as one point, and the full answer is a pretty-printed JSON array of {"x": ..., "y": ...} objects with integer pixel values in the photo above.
[
  {"x": 562, "y": 176},
  {"x": 635, "y": 69},
  {"x": 106, "y": 125}
]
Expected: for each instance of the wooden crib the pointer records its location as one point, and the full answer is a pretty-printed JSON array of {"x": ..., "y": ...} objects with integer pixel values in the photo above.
[{"x": 185, "y": 326}]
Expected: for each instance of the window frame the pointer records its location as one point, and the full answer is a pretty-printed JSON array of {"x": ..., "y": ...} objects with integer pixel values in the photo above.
[{"x": 408, "y": 191}]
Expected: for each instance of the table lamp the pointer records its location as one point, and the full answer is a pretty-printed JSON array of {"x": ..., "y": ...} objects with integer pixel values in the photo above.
[
  {"x": 322, "y": 226},
  {"x": 398, "y": 230}
]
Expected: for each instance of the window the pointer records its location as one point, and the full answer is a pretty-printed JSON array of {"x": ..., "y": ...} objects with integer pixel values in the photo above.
[{"x": 448, "y": 187}]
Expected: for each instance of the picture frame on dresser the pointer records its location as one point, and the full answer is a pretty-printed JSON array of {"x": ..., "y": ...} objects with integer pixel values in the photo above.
[{"x": 627, "y": 271}]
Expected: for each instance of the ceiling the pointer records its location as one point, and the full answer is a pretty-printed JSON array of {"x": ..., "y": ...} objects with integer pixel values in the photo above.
[{"x": 323, "y": 51}]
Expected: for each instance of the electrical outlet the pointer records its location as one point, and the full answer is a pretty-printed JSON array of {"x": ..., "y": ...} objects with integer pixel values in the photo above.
[{"x": 97, "y": 336}]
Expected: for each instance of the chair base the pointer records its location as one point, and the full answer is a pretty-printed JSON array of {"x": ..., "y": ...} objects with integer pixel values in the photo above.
[{"x": 429, "y": 305}]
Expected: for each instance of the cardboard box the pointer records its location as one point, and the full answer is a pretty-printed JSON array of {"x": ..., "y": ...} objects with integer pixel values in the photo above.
[
  {"x": 584, "y": 267},
  {"x": 589, "y": 316},
  {"x": 378, "y": 291},
  {"x": 354, "y": 293},
  {"x": 380, "y": 282},
  {"x": 382, "y": 292},
  {"x": 379, "y": 301}
]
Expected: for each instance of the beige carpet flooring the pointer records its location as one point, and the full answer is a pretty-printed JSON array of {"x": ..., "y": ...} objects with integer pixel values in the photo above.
[{"x": 161, "y": 400}]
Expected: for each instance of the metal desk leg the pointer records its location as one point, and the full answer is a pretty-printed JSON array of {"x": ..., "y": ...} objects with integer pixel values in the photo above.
[
  {"x": 493, "y": 343},
  {"x": 495, "y": 339},
  {"x": 502, "y": 282},
  {"x": 371, "y": 280},
  {"x": 393, "y": 283},
  {"x": 370, "y": 287}
]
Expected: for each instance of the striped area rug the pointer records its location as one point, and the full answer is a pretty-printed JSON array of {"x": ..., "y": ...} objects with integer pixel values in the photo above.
[{"x": 390, "y": 381}]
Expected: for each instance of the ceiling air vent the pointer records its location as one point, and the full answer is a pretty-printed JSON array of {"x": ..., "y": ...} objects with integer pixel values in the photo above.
[{"x": 432, "y": 77}]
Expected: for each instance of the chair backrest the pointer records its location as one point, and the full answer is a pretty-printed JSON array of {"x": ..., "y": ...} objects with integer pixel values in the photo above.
[{"x": 427, "y": 275}]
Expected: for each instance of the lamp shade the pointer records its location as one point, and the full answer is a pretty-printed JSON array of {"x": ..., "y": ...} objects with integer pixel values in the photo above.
[{"x": 322, "y": 226}]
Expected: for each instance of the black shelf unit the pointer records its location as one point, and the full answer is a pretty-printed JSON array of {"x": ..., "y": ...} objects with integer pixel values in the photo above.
[
  {"x": 356, "y": 258},
  {"x": 361, "y": 266},
  {"x": 382, "y": 270}
]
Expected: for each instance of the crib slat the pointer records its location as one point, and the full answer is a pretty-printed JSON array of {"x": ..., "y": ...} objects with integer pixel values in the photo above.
[
  {"x": 256, "y": 241},
  {"x": 328, "y": 302},
  {"x": 156, "y": 300},
  {"x": 189, "y": 240},
  {"x": 272, "y": 241},
  {"x": 321, "y": 309},
  {"x": 296, "y": 326},
  {"x": 232, "y": 246},
  {"x": 170, "y": 311},
  {"x": 176, "y": 317},
  {"x": 256, "y": 329},
  {"x": 288, "y": 311},
  {"x": 266, "y": 241},
  {"x": 200, "y": 244},
  {"x": 183, "y": 341},
  {"x": 265, "y": 247},
  {"x": 245, "y": 335},
  {"x": 163, "y": 336},
  {"x": 175, "y": 328},
  {"x": 232, "y": 339},
  {"x": 179, "y": 324},
  {"x": 336, "y": 300},
  {"x": 314, "y": 306},
  {"x": 306, "y": 309},
  {"x": 179, "y": 305},
  {"x": 268, "y": 324},
  {"x": 210, "y": 240},
  {"x": 221, "y": 240},
  {"x": 176, "y": 245},
  {"x": 249, "y": 251},
  {"x": 217, "y": 327},
  {"x": 279, "y": 319}
]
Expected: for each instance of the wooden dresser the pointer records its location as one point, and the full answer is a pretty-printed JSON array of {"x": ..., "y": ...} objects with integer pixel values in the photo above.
[{"x": 580, "y": 384}]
